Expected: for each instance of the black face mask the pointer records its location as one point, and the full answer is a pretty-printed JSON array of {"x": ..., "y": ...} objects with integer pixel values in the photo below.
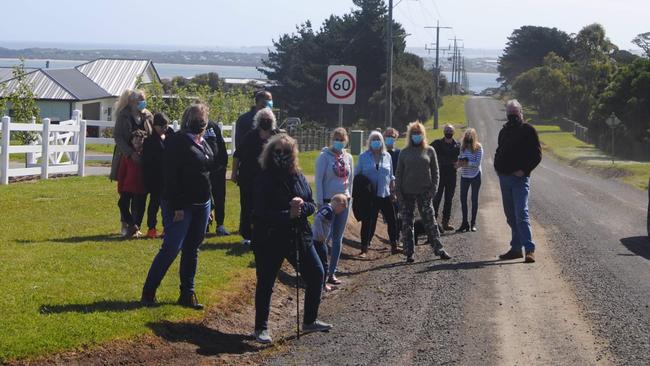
[
  {"x": 449, "y": 135},
  {"x": 469, "y": 141},
  {"x": 514, "y": 119},
  {"x": 266, "y": 124},
  {"x": 196, "y": 126},
  {"x": 283, "y": 160}
]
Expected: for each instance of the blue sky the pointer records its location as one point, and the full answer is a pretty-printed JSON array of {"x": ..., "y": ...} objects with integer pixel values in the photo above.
[{"x": 232, "y": 23}]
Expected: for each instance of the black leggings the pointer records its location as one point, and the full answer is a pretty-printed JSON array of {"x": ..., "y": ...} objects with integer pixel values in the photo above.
[
  {"x": 218, "y": 180},
  {"x": 369, "y": 223},
  {"x": 132, "y": 207},
  {"x": 152, "y": 209}
]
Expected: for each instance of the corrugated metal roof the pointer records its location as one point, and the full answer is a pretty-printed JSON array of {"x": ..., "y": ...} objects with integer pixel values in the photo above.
[
  {"x": 43, "y": 86},
  {"x": 6, "y": 73},
  {"x": 77, "y": 84},
  {"x": 115, "y": 75}
]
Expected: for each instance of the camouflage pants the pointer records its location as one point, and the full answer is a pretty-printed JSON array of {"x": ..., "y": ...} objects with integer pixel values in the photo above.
[{"x": 425, "y": 206}]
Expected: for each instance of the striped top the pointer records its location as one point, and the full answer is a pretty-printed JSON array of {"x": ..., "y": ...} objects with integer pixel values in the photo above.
[{"x": 473, "y": 167}]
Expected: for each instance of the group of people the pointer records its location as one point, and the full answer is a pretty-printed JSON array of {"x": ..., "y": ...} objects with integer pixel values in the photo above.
[{"x": 276, "y": 199}]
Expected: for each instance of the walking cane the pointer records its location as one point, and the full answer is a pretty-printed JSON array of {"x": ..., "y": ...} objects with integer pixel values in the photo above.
[{"x": 297, "y": 239}]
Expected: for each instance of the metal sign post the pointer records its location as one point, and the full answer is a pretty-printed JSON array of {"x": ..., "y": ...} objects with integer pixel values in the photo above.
[
  {"x": 341, "y": 87},
  {"x": 612, "y": 121}
]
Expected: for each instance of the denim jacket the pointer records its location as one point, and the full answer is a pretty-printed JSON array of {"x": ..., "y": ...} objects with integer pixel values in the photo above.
[{"x": 379, "y": 174}]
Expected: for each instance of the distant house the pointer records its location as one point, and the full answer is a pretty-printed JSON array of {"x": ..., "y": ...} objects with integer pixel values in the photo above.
[{"x": 92, "y": 87}]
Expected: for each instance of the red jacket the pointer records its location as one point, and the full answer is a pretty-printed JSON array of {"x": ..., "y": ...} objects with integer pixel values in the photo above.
[{"x": 130, "y": 177}]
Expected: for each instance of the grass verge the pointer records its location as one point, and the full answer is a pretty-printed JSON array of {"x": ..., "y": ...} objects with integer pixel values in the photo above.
[
  {"x": 71, "y": 282},
  {"x": 566, "y": 147}
]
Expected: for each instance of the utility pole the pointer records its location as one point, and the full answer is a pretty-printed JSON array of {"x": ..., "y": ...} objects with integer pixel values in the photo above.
[
  {"x": 436, "y": 75},
  {"x": 389, "y": 67}
]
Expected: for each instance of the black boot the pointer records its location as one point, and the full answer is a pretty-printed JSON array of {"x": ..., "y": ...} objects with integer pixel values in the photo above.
[
  {"x": 463, "y": 228},
  {"x": 188, "y": 299},
  {"x": 148, "y": 299}
]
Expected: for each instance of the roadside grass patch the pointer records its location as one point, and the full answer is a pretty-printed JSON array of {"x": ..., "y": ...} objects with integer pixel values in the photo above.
[
  {"x": 100, "y": 148},
  {"x": 68, "y": 279},
  {"x": 566, "y": 147}
]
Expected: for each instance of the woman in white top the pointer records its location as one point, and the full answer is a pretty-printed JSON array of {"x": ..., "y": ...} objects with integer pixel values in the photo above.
[{"x": 469, "y": 162}]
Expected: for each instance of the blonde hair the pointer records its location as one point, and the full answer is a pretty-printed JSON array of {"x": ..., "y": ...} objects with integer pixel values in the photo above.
[
  {"x": 126, "y": 98},
  {"x": 266, "y": 157},
  {"x": 339, "y": 132},
  {"x": 372, "y": 136},
  {"x": 391, "y": 132},
  {"x": 264, "y": 113},
  {"x": 409, "y": 131},
  {"x": 470, "y": 132},
  {"x": 339, "y": 198}
]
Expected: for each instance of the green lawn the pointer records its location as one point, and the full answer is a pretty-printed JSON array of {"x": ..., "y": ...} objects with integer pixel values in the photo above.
[
  {"x": 568, "y": 148},
  {"x": 69, "y": 280},
  {"x": 100, "y": 148}
]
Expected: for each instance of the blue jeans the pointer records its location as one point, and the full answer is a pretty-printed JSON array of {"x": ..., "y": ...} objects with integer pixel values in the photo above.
[
  {"x": 465, "y": 184},
  {"x": 338, "y": 227},
  {"x": 514, "y": 192},
  {"x": 186, "y": 236},
  {"x": 268, "y": 261},
  {"x": 322, "y": 251}
]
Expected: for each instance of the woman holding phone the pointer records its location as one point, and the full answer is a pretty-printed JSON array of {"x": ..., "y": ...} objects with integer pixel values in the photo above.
[{"x": 469, "y": 162}]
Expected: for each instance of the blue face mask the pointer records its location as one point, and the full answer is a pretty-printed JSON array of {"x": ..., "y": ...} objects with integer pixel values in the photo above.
[
  {"x": 338, "y": 145},
  {"x": 417, "y": 139},
  {"x": 390, "y": 141},
  {"x": 269, "y": 104},
  {"x": 142, "y": 105},
  {"x": 375, "y": 144}
]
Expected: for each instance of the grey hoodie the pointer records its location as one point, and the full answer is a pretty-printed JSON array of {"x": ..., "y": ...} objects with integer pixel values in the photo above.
[{"x": 334, "y": 174}]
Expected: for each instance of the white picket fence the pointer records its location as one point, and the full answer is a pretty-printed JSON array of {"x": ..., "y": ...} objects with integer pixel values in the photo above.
[
  {"x": 54, "y": 142},
  {"x": 65, "y": 148}
]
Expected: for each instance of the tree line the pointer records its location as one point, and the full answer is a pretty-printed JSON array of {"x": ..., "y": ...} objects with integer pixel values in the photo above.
[
  {"x": 298, "y": 67},
  {"x": 583, "y": 77}
]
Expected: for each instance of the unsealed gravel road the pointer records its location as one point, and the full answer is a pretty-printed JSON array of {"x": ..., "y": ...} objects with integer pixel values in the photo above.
[{"x": 586, "y": 301}]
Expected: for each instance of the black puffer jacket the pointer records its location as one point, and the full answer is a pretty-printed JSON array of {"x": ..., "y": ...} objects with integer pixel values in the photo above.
[{"x": 363, "y": 195}]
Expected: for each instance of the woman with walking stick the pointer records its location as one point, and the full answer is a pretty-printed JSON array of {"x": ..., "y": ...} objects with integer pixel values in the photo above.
[{"x": 282, "y": 201}]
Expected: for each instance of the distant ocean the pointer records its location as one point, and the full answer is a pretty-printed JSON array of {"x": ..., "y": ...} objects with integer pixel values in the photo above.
[{"x": 477, "y": 80}]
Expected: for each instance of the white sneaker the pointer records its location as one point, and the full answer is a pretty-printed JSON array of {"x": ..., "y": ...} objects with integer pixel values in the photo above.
[
  {"x": 263, "y": 336},
  {"x": 124, "y": 229},
  {"x": 316, "y": 326}
]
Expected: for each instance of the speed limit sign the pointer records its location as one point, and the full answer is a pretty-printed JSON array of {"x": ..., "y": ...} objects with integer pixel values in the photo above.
[{"x": 341, "y": 84}]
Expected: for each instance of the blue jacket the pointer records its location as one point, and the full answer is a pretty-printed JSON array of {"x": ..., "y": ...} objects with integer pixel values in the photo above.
[{"x": 380, "y": 174}]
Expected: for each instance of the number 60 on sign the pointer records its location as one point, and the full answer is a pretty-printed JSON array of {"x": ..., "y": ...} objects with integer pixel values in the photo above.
[{"x": 341, "y": 84}]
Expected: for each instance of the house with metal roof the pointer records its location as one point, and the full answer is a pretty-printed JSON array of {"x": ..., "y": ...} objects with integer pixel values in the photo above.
[{"x": 92, "y": 87}]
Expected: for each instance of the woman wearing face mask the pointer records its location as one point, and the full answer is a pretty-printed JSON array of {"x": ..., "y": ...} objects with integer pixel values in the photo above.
[
  {"x": 469, "y": 162},
  {"x": 282, "y": 203},
  {"x": 416, "y": 184},
  {"x": 246, "y": 166},
  {"x": 376, "y": 165},
  {"x": 185, "y": 205},
  {"x": 131, "y": 115},
  {"x": 334, "y": 172}
]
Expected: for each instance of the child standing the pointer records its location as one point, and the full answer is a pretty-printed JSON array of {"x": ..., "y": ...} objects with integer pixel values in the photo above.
[
  {"x": 130, "y": 186},
  {"x": 322, "y": 227},
  {"x": 153, "y": 164}
]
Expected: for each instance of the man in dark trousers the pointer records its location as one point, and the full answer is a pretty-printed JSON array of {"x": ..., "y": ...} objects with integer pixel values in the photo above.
[
  {"x": 244, "y": 125},
  {"x": 214, "y": 138},
  {"x": 518, "y": 153},
  {"x": 447, "y": 150}
]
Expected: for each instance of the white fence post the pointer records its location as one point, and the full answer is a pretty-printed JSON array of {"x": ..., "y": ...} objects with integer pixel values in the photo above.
[
  {"x": 76, "y": 116},
  {"x": 233, "y": 137},
  {"x": 45, "y": 155},
  {"x": 30, "y": 158},
  {"x": 81, "y": 156},
  {"x": 5, "y": 150}
]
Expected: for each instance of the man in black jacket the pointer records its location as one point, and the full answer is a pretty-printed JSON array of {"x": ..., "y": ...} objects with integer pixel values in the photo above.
[
  {"x": 447, "y": 150},
  {"x": 244, "y": 124},
  {"x": 518, "y": 153},
  {"x": 214, "y": 138}
]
